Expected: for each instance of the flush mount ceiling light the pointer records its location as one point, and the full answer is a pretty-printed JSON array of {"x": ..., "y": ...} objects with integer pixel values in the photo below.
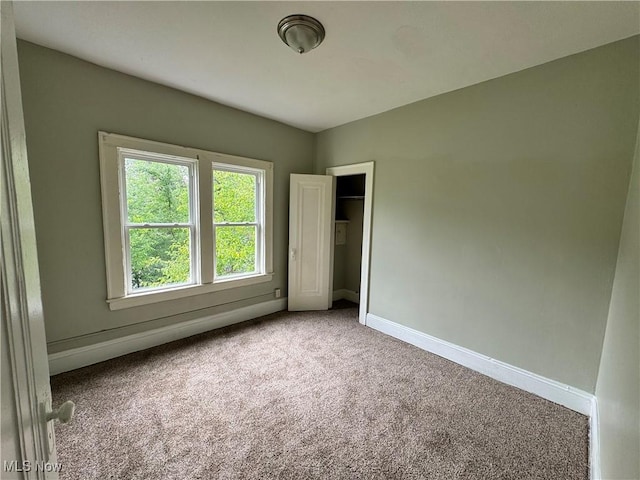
[{"x": 301, "y": 32}]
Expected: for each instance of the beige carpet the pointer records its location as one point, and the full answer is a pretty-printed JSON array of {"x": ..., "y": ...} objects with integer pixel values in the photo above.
[{"x": 308, "y": 395}]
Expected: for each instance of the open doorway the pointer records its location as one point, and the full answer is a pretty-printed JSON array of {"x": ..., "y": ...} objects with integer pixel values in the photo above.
[
  {"x": 347, "y": 259},
  {"x": 353, "y": 202}
]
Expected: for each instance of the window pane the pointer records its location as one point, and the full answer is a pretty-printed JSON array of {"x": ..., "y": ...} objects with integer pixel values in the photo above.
[
  {"x": 160, "y": 257},
  {"x": 235, "y": 250},
  {"x": 234, "y": 197},
  {"x": 157, "y": 192}
]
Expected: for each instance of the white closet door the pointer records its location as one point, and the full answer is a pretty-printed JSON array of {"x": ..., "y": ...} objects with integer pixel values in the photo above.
[{"x": 311, "y": 230}]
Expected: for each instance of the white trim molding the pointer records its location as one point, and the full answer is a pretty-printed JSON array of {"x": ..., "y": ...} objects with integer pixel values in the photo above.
[
  {"x": 82, "y": 356},
  {"x": 346, "y": 294},
  {"x": 594, "y": 441},
  {"x": 570, "y": 397}
]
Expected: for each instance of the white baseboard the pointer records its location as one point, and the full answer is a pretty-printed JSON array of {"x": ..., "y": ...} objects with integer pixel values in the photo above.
[
  {"x": 570, "y": 397},
  {"x": 594, "y": 441},
  {"x": 83, "y": 356},
  {"x": 343, "y": 293}
]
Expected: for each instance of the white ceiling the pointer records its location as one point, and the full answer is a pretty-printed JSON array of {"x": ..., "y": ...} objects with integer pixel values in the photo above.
[{"x": 376, "y": 55}]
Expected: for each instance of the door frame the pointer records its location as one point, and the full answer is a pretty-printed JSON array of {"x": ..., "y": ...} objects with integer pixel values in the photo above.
[{"x": 367, "y": 169}]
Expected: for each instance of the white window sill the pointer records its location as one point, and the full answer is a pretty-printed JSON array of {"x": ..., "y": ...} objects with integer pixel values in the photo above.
[{"x": 147, "y": 298}]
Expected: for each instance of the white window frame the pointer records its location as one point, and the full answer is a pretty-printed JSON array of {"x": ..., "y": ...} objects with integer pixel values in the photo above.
[
  {"x": 192, "y": 224},
  {"x": 111, "y": 150},
  {"x": 259, "y": 222}
]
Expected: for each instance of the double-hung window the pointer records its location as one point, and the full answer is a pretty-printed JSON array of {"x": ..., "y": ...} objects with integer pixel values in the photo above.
[
  {"x": 238, "y": 219},
  {"x": 181, "y": 221},
  {"x": 158, "y": 220}
]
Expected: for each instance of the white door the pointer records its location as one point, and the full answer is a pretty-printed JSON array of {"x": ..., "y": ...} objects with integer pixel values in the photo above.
[
  {"x": 28, "y": 434},
  {"x": 311, "y": 230}
]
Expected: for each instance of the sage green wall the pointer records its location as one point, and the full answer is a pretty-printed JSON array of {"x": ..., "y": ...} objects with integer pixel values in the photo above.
[
  {"x": 66, "y": 101},
  {"x": 354, "y": 210},
  {"x": 347, "y": 261},
  {"x": 497, "y": 209},
  {"x": 618, "y": 388},
  {"x": 339, "y": 266}
]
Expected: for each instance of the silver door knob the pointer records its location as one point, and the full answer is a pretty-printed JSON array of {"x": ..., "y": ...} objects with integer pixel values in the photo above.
[{"x": 64, "y": 414}]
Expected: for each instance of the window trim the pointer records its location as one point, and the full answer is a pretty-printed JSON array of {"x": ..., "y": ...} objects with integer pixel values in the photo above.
[
  {"x": 109, "y": 146},
  {"x": 259, "y": 223}
]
